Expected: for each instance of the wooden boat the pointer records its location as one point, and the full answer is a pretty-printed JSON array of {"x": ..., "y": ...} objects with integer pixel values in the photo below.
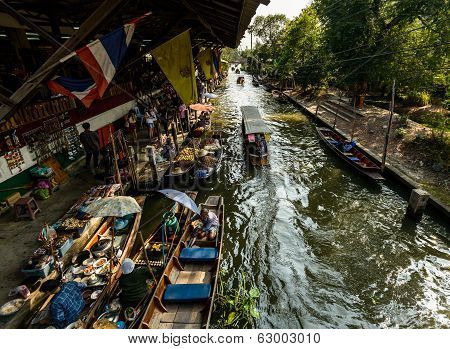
[
  {"x": 256, "y": 134},
  {"x": 184, "y": 296},
  {"x": 154, "y": 251},
  {"x": 104, "y": 284},
  {"x": 352, "y": 156},
  {"x": 204, "y": 172}
]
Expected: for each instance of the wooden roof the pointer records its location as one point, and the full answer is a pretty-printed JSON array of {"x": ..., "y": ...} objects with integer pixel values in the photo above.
[{"x": 212, "y": 21}]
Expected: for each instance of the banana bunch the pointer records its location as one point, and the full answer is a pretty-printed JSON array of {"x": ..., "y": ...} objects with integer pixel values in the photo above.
[{"x": 185, "y": 154}]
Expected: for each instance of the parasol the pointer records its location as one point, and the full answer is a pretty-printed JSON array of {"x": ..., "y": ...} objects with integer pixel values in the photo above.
[
  {"x": 114, "y": 206},
  {"x": 201, "y": 107},
  {"x": 181, "y": 198}
]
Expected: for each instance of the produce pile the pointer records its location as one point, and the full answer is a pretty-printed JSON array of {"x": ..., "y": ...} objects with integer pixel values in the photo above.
[
  {"x": 72, "y": 223},
  {"x": 208, "y": 161},
  {"x": 185, "y": 154}
]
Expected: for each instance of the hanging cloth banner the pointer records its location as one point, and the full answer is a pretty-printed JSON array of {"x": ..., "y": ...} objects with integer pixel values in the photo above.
[
  {"x": 216, "y": 68},
  {"x": 205, "y": 60},
  {"x": 177, "y": 63}
]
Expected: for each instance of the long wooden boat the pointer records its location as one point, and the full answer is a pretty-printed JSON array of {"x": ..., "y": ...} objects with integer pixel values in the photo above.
[
  {"x": 203, "y": 172},
  {"x": 184, "y": 296},
  {"x": 104, "y": 284},
  {"x": 255, "y": 134},
  {"x": 156, "y": 260},
  {"x": 353, "y": 156}
]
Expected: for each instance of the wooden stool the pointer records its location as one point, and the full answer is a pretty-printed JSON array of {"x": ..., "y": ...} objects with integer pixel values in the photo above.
[{"x": 26, "y": 208}]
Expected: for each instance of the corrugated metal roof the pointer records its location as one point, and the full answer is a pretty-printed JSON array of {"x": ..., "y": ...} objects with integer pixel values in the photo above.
[{"x": 253, "y": 123}]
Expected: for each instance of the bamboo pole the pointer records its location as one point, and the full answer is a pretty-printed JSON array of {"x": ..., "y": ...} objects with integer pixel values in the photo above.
[
  {"x": 116, "y": 166},
  {"x": 386, "y": 142}
]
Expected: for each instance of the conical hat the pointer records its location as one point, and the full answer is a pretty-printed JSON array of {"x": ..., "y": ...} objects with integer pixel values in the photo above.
[{"x": 202, "y": 153}]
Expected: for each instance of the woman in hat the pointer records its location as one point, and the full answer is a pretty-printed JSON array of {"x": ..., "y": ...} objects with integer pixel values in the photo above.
[{"x": 133, "y": 283}]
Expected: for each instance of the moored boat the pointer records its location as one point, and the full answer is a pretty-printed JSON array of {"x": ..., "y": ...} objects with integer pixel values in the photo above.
[
  {"x": 92, "y": 265},
  {"x": 209, "y": 163},
  {"x": 349, "y": 152},
  {"x": 256, "y": 134},
  {"x": 184, "y": 296},
  {"x": 160, "y": 244}
]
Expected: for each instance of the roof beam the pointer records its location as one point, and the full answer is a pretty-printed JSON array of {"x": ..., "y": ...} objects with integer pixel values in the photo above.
[
  {"x": 205, "y": 23},
  {"x": 27, "y": 90},
  {"x": 6, "y": 101},
  {"x": 22, "y": 19}
]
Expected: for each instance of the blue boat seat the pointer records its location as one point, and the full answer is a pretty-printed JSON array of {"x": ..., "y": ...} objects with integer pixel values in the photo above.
[
  {"x": 187, "y": 293},
  {"x": 202, "y": 254},
  {"x": 354, "y": 158}
]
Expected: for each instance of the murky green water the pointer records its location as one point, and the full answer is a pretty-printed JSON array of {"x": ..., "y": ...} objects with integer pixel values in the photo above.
[{"x": 326, "y": 248}]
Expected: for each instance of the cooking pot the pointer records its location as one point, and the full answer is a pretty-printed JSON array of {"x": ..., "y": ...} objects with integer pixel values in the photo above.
[{"x": 102, "y": 248}]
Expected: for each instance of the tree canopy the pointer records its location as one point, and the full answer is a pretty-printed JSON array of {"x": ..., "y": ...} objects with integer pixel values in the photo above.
[{"x": 358, "y": 44}]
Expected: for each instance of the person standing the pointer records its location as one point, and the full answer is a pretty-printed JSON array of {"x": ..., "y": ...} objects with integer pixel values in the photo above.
[
  {"x": 150, "y": 118},
  {"x": 132, "y": 121},
  {"x": 91, "y": 144}
]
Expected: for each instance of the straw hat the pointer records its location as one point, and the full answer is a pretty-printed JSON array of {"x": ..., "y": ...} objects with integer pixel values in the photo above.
[
  {"x": 202, "y": 153},
  {"x": 177, "y": 170}
]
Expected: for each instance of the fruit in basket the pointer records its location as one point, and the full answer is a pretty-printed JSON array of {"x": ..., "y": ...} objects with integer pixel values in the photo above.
[{"x": 185, "y": 154}]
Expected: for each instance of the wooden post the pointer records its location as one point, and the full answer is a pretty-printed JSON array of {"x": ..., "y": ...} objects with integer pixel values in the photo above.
[
  {"x": 175, "y": 135},
  {"x": 116, "y": 166},
  {"x": 354, "y": 119},
  {"x": 417, "y": 203},
  {"x": 386, "y": 142}
]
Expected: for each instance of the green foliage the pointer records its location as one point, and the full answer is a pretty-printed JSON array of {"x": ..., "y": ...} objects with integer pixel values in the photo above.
[
  {"x": 400, "y": 132},
  {"x": 237, "y": 307},
  {"x": 419, "y": 99},
  {"x": 360, "y": 45}
]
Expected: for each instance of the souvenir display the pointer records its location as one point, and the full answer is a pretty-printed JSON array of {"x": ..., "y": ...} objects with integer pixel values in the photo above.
[{"x": 15, "y": 160}]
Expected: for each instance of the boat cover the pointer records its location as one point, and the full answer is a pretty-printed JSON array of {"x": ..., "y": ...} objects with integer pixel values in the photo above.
[
  {"x": 253, "y": 123},
  {"x": 203, "y": 254},
  {"x": 185, "y": 293}
]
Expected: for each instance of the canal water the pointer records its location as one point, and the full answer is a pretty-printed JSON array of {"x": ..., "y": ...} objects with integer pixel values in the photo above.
[{"x": 325, "y": 247}]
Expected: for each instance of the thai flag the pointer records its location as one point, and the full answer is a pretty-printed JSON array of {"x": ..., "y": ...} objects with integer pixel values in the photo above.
[{"x": 101, "y": 58}]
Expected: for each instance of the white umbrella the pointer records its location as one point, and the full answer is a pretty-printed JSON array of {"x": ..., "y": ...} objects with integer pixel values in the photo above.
[
  {"x": 114, "y": 206},
  {"x": 181, "y": 198}
]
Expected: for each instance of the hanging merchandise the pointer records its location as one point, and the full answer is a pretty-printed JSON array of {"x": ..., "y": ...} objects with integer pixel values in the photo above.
[
  {"x": 46, "y": 140},
  {"x": 74, "y": 148},
  {"x": 15, "y": 160}
]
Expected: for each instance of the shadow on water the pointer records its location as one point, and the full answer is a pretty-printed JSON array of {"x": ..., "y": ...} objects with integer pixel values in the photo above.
[{"x": 326, "y": 248}]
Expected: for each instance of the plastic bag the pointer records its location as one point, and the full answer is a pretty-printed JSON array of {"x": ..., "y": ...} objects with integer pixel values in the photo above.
[{"x": 21, "y": 291}]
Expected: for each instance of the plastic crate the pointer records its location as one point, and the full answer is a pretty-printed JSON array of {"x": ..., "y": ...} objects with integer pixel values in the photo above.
[{"x": 43, "y": 272}]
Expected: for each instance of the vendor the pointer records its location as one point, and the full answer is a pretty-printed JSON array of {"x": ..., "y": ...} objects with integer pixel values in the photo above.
[
  {"x": 209, "y": 225},
  {"x": 67, "y": 304},
  {"x": 168, "y": 149},
  {"x": 133, "y": 283}
]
